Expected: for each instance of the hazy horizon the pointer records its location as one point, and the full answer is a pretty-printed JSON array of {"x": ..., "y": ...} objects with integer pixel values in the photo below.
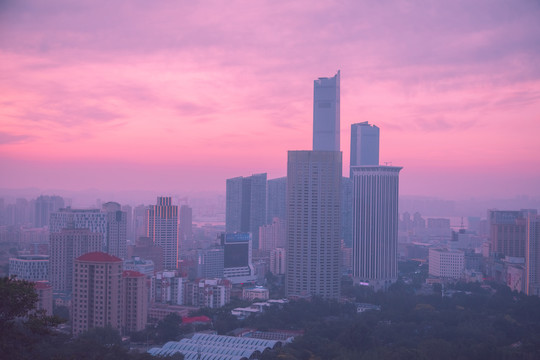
[{"x": 177, "y": 97}]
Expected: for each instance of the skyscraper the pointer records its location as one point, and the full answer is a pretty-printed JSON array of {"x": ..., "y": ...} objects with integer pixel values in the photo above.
[
  {"x": 246, "y": 205},
  {"x": 326, "y": 112},
  {"x": 375, "y": 224},
  {"x": 364, "y": 144},
  {"x": 116, "y": 241},
  {"x": 313, "y": 223},
  {"x": 162, "y": 220}
]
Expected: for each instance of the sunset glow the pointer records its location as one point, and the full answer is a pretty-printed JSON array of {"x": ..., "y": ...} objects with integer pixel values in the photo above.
[{"x": 178, "y": 96}]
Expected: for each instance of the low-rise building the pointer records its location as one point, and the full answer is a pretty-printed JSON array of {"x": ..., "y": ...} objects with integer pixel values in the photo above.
[
  {"x": 446, "y": 263},
  {"x": 257, "y": 292}
]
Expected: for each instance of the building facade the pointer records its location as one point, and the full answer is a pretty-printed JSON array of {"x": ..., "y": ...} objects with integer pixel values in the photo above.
[
  {"x": 92, "y": 219},
  {"x": 65, "y": 246},
  {"x": 278, "y": 261},
  {"x": 237, "y": 257},
  {"x": 532, "y": 256},
  {"x": 97, "y": 292},
  {"x": 246, "y": 205},
  {"x": 277, "y": 199},
  {"x": 326, "y": 113},
  {"x": 30, "y": 267},
  {"x": 185, "y": 231},
  {"x": 162, "y": 228},
  {"x": 508, "y": 232},
  {"x": 116, "y": 241},
  {"x": 364, "y": 144},
  {"x": 273, "y": 235},
  {"x": 375, "y": 225},
  {"x": 448, "y": 264},
  {"x": 134, "y": 301},
  {"x": 313, "y": 223}
]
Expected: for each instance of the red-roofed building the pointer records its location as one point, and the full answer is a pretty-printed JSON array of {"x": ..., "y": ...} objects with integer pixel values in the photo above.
[
  {"x": 97, "y": 292},
  {"x": 196, "y": 320},
  {"x": 98, "y": 256}
]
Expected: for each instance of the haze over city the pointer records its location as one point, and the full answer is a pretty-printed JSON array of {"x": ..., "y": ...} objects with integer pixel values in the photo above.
[{"x": 178, "y": 97}]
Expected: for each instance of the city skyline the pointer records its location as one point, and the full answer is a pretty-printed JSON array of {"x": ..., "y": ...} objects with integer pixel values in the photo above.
[{"x": 179, "y": 97}]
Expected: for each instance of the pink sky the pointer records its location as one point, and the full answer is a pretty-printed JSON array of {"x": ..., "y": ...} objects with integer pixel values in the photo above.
[{"x": 174, "y": 96}]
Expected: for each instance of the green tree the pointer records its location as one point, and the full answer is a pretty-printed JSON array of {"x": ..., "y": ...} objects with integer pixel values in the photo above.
[
  {"x": 168, "y": 329},
  {"x": 21, "y": 326}
]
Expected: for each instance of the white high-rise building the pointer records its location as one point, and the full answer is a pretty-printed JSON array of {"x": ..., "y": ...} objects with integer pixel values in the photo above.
[
  {"x": 313, "y": 225},
  {"x": 326, "y": 113},
  {"x": 29, "y": 267},
  {"x": 375, "y": 224},
  {"x": 91, "y": 219},
  {"x": 162, "y": 227}
]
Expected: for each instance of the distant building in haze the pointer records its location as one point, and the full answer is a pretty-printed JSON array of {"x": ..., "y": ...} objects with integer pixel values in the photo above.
[
  {"x": 162, "y": 220},
  {"x": 375, "y": 224},
  {"x": 44, "y": 206},
  {"x": 185, "y": 231},
  {"x": 116, "y": 241},
  {"x": 246, "y": 205},
  {"x": 508, "y": 232},
  {"x": 326, "y": 113},
  {"x": 277, "y": 199}
]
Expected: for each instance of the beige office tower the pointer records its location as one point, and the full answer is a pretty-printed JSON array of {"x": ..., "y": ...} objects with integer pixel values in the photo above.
[
  {"x": 65, "y": 246},
  {"x": 313, "y": 225},
  {"x": 97, "y": 292},
  {"x": 135, "y": 301}
]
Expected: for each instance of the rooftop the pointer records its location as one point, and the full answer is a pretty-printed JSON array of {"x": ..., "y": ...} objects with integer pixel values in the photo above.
[
  {"x": 98, "y": 256},
  {"x": 131, "y": 273}
]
